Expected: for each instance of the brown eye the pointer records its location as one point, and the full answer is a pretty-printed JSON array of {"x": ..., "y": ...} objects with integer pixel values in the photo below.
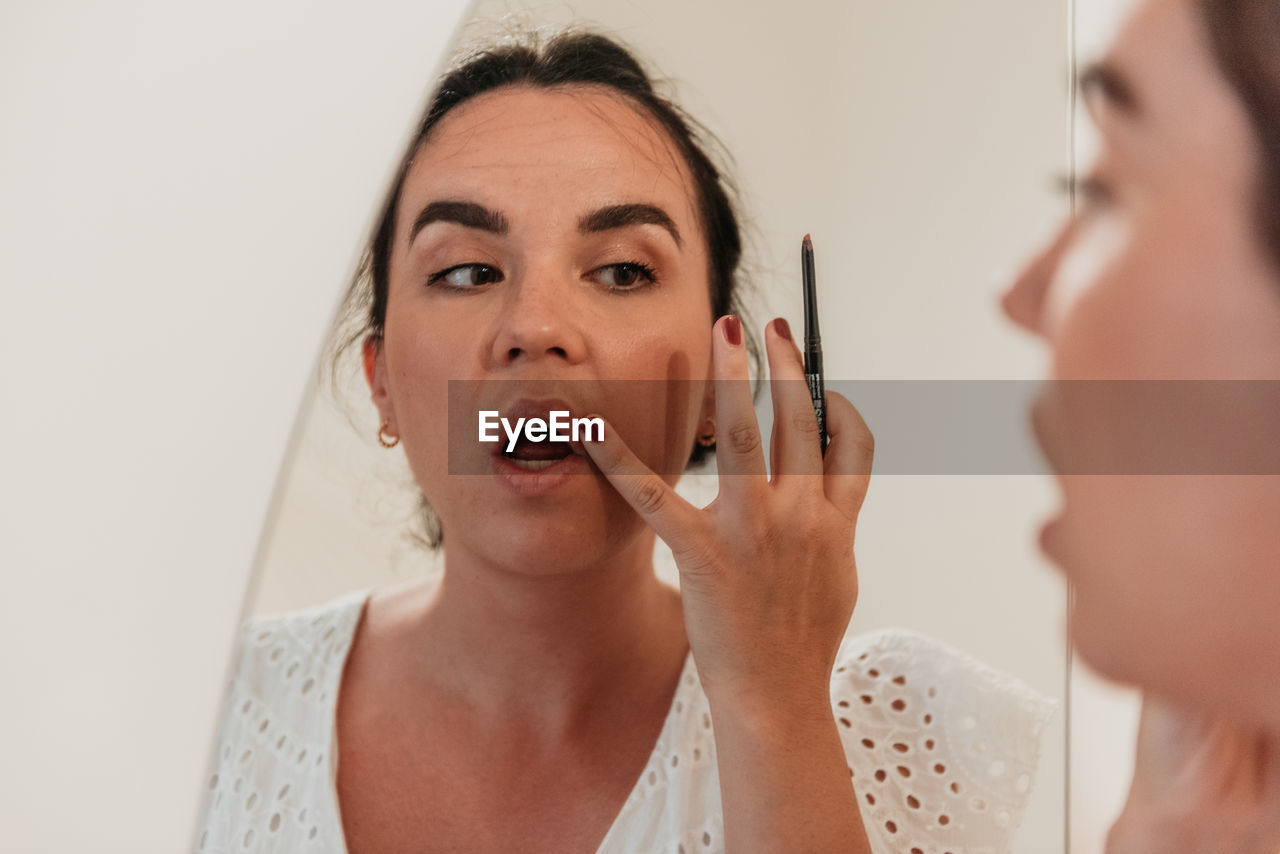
[
  {"x": 463, "y": 276},
  {"x": 1089, "y": 191},
  {"x": 628, "y": 275}
]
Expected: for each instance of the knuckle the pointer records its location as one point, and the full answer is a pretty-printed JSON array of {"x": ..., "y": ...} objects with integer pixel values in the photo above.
[
  {"x": 811, "y": 524},
  {"x": 744, "y": 439},
  {"x": 699, "y": 560},
  {"x": 804, "y": 421},
  {"x": 807, "y": 529},
  {"x": 650, "y": 497}
]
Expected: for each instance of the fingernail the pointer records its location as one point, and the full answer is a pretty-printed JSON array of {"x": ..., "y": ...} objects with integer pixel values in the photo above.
[
  {"x": 783, "y": 328},
  {"x": 733, "y": 330}
]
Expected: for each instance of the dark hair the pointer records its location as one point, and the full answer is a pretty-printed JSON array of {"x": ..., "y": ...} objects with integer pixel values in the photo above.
[
  {"x": 1245, "y": 35},
  {"x": 570, "y": 58}
]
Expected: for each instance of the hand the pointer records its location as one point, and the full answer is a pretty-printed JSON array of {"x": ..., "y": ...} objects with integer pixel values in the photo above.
[
  {"x": 767, "y": 573},
  {"x": 1201, "y": 784}
]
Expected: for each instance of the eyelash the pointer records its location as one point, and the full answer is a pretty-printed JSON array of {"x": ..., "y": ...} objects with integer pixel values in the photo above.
[
  {"x": 436, "y": 279},
  {"x": 644, "y": 270}
]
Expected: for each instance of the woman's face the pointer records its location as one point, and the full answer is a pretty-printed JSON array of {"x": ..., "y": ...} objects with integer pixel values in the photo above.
[
  {"x": 1161, "y": 275},
  {"x": 547, "y": 246}
]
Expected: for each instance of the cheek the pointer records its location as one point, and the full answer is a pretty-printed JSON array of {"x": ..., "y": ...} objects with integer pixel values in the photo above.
[
  {"x": 1134, "y": 585},
  {"x": 1173, "y": 575},
  {"x": 1083, "y": 269},
  {"x": 1170, "y": 293},
  {"x": 420, "y": 366},
  {"x": 1125, "y": 307},
  {"x": 655, "y": 390}
]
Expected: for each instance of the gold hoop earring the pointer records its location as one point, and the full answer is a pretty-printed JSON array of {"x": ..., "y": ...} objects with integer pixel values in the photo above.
[
  {"x": 708, "y": 440},
  {"x": 395, "y": 439}
]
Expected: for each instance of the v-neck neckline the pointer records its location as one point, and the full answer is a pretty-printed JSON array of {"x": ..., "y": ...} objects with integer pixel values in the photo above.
[{"x": 333, "y": 680}]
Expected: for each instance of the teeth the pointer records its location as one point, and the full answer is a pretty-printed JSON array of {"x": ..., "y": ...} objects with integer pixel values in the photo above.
[{"x": 532, "y": 465}]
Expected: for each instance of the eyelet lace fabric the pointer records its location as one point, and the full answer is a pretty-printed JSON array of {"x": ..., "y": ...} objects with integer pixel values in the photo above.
[
  {"x": 942, "y": 748},
  {"x": 272, "y": 787}
]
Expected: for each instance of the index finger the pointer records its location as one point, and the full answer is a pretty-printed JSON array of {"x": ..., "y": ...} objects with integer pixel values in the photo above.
[{"x": 671, "y": 517}]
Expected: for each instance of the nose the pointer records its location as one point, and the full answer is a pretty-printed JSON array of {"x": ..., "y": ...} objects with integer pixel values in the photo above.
[
  {"x": 540, "y": 319},
  {"x": 1024, "y": 301}
]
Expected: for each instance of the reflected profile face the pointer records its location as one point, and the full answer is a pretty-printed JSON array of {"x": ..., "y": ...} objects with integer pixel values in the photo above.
[
  {"x": 546, "y": 240},
  {"x": 1162, "y": 274}
]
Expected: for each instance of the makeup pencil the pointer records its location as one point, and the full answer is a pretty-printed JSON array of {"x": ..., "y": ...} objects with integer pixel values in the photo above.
[{"x": 813, "y": 340}]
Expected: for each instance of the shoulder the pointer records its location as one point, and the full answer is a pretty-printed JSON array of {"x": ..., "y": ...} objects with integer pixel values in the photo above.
[
  {"x": 281, "y": 647},
  {"x": 907, "y": 676},
  {"x": 269, "y": 773},
  {"x": 943, "y": 747}
]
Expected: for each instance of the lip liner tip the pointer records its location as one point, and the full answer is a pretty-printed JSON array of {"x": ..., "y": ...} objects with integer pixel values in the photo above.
[{"x": 807, "y": 239}]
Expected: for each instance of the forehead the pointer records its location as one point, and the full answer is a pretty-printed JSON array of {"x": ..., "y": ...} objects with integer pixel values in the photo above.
[
  {"x": 1163, "y": 60},
  {"x": 566, "y": 149}
]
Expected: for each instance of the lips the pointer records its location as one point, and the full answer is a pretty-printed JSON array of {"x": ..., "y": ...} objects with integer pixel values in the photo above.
[{"x": 1042, "y": 421}]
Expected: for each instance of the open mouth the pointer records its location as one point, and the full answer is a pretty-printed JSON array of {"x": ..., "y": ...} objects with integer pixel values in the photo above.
[
  {"x": 535, "y": 456},
  {"x": 538, "y": 434}
]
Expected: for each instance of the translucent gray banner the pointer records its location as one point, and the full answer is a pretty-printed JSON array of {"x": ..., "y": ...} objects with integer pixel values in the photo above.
[{"x": 923, "y": 427}]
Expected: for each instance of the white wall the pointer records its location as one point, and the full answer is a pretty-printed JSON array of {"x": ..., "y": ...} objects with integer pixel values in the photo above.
[
  {"x": 180, "y": 185},
  {"x": 918, "y": 141}
]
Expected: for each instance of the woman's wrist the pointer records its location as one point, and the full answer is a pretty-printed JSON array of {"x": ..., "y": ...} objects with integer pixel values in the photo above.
[
  {"x": 789, "y": 696},
  {"x": 784, "y": 778},
  {"x": 781, "y": 710}
]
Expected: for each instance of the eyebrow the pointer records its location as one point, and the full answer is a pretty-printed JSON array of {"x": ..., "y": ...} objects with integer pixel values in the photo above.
[
  {"x": 466, "y": 214},
  {"x": 1111, "y": 84},
  {"x": 621, "y": 216},
  {"x": 472, "y": 215}
]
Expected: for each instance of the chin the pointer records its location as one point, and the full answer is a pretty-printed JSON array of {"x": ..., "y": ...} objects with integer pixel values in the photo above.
[
  {"x": 546, "y": 545},
  {"x": 1097, "y": 654},
  {"x": 1121, "y": 648}
]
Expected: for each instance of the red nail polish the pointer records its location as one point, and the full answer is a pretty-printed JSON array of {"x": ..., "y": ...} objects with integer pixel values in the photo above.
[
  {"x": 733, "y": 330},
  {"x": 783, "y": 328}
]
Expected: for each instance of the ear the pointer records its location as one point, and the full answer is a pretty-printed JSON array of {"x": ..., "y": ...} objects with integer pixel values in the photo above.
[
  {"x": 375, "y": 372},
  {"x": 708, "y": 403}
]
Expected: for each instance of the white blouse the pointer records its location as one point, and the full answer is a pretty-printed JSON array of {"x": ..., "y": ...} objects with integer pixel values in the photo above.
[{"x": 942, "y": 748}]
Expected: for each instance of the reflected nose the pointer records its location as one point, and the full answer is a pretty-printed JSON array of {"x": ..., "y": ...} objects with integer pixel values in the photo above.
[
  {"x": 540, "y": 319},
  {"x": 1024, "y": 301}
]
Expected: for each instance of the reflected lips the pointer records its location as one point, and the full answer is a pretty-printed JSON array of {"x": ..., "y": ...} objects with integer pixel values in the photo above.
[{"x": 1049, "y": 533}]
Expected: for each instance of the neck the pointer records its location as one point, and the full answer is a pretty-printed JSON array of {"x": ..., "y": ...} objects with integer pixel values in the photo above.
[{"x": 561, "y": 647}]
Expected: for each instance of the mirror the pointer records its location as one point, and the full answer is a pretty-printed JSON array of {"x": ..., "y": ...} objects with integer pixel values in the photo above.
[
  {"x": 1104, "y": 715},
  {"x": 917, "y": 141}
]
